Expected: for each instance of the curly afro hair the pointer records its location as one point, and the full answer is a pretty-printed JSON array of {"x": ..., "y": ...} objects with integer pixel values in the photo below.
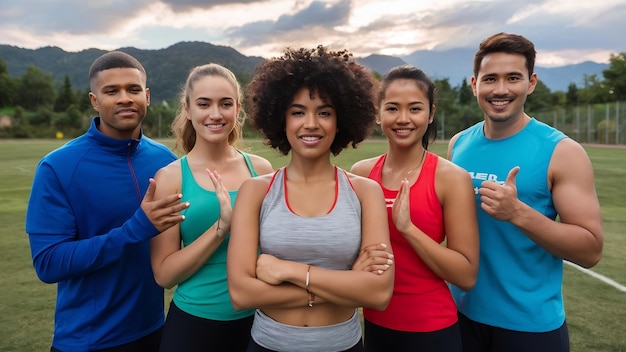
[{"x": 333, "y": 75}]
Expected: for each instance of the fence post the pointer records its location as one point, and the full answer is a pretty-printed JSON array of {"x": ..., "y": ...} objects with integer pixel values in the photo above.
[
  {"x": 606, "y": 127},
  {"x": 617, "y": 122},
  {"x": 588, "y": 123},
  {"x": 578, "y": 123}
]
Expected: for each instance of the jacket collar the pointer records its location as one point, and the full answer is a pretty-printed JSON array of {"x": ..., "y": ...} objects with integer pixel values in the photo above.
[{"x": 118, "y": 146}]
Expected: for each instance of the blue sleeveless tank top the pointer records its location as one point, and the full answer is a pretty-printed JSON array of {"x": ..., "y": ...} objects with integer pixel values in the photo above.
[
  {"x": 205, "y": 293},
  {"x": 519, "y": 283}
]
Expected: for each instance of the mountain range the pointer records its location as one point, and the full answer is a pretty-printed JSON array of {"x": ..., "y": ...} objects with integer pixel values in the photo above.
[{"x": 167, "y": 68}]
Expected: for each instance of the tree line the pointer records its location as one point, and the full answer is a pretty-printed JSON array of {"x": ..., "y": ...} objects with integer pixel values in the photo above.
[{"x": 34, "y": 105}]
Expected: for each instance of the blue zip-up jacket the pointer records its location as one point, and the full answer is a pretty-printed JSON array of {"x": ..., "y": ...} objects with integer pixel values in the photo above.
[{"x": 89, "y": 235}]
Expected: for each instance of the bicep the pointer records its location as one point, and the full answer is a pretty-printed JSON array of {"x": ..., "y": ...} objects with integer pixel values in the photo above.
[
  {"x": 168, "y": 182},
  {"x": 375, "y": 227},
  {"x": 573, "y": 189},
  {"x": 244, "y": 232},
  {"x": 459, "y": 213}
]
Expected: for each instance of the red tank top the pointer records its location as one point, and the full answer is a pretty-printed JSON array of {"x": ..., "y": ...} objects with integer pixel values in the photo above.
[{"x": 421, "y": 300}]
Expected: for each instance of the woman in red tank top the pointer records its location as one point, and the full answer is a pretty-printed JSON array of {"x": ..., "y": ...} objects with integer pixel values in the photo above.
[{"x": 429, "y": 201}]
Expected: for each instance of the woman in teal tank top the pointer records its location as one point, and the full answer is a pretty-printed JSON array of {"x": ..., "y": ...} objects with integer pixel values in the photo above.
[{"x": 192, "y": 256}]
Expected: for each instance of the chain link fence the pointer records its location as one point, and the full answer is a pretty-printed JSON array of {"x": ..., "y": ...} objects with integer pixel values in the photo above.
[{"x": 593, "y": 124}]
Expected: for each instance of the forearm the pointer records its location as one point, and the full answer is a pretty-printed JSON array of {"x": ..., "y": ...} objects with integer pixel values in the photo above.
[
  {"x": 571, "y": 242},
  {"x": 347, "y": 287},
  {"x": 249, "y": 292},
  {"x": 449, "y": 264},
  {"x": 182, "y": 263},
  {"x": 61, "y": 257}
]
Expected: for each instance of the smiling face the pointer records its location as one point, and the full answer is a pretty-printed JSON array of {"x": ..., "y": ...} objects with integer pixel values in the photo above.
[
  {"x": 502, "y": 86},
  {"x": 311, "y": 124},
  {"x": 121, "y": 98},
  {"x": 405, "y": 113},
  {"x": 212, "y": 108}
]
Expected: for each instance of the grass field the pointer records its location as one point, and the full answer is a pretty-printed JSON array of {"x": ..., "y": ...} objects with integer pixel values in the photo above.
[{"x": 596, "y": 312}]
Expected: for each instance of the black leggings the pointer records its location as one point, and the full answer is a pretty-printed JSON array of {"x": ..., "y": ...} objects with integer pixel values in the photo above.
[
  {"x": 189, "y": 333},
  {"x": 478, "y": 337},
  {"x": 378, "y": 338}
]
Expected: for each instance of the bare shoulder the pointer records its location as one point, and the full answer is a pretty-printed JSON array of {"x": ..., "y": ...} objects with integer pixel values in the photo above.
[
  {"x": 261, "y": 165},
  {"x": 450, "y": 172},
  {"x": 168, "y": 179},
  {"x": 257, "y": 184},
  {"x": 171, "y": 170},
  {"x": 568, "y": 147},
  {"x": 363, "y": 167},
  {"x": 451, "y": 144},
  {"x": 451, "y": 180},
  {"x": 364, "y": 186},
  {"x": 569, "y": 156}
]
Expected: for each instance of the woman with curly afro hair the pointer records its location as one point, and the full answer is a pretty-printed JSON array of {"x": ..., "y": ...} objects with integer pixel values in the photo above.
[{"x": 310, "y": 220}]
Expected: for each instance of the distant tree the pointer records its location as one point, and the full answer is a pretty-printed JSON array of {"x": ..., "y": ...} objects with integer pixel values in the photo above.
[
  {"x": 447, "y": 107},
  {"x": 572, "y": 94},
  {"x": 41, "y": 118},
  {"x": 466, "y": 95},
  {"x": 7, "y": 86},
  {"x": 593, "y": 91},
  {"x": 81, "y": 97},
  {"x": 559, "y": 98},
  {"x": 446, "y": 95},
  {"x": 35, "y": 89},
  {"x": 469, "y": 115},
  {"x": 615, "y": 76},
  {"x": 66, "y": 96},
  {"x": 18, "y": 115},
  {"x": 541, "y": 99},
  {"x": 71, "y": 118}
]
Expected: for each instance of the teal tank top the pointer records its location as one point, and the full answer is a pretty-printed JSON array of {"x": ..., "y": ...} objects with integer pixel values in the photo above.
[
  {"x": 519, "y": 283},
  {"x": 205, "y": 294}
]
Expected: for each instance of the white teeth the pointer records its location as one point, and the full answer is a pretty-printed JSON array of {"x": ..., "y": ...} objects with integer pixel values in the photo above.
[
  {"x": 499, "y": 103},
  {"x": 310, "y": 138},
  {"x": 403, "y": 131},
  {"x": 214, "y": 126}
]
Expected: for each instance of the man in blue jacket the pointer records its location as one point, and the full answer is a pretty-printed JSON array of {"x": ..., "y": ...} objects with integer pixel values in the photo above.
[{"x": 91, "y": 214}]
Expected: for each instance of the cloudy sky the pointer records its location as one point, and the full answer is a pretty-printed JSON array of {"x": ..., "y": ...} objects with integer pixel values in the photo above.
[{"x": 564, "y": 31}]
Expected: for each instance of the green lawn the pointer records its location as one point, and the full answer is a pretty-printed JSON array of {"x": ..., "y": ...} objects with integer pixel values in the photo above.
[{"x": 596, "y": 312}]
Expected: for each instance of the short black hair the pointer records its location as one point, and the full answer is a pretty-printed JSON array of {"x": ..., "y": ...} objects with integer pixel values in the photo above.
[{"x": 114, "y": 59}]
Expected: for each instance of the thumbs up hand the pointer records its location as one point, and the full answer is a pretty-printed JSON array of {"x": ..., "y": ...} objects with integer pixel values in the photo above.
[{"x": 500, "y": 199}]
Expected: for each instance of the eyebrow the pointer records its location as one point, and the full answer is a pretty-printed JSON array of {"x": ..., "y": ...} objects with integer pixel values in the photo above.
[
  {"x": 512, "y": 73},
  {"x": 219, "y": 99},
  {"x": 410, "y": 103},
  {"x": 132, "y": 85},
  {"x": 300, "y": 106}
]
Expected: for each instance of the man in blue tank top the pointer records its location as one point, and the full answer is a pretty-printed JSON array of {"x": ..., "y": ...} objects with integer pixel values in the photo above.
[{"x": 525, "y": 174}]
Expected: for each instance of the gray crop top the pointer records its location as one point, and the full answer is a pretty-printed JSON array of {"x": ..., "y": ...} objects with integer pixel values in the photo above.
[{"x": 331, "y": 241}]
